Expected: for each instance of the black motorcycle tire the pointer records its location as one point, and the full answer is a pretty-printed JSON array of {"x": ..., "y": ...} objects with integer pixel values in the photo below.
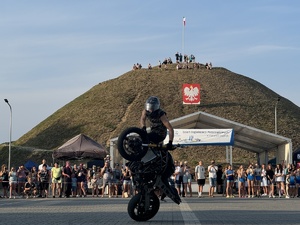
[
  {"x": 136, "y": 210},
  {"x": 137, "y": 151}
]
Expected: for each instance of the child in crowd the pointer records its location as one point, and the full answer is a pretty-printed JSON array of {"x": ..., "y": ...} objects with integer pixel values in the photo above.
[{"x": 95, "y": 183}]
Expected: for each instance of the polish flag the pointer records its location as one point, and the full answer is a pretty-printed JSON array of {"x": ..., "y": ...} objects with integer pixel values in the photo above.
[{"x": 183, "y": 21}]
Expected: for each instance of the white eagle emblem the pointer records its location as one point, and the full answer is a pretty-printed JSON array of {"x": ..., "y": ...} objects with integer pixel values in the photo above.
[{"x": 191, "y": 93}]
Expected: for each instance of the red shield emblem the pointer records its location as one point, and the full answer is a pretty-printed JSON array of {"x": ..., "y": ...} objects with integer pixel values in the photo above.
[{"x": 191, "y": 93}]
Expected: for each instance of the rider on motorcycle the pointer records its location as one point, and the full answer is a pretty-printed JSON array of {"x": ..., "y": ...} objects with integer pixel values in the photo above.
[
  {"x": 158, "y": 121},
  {"x": 149, "y": 161},
  {"x": 159, "y": 124}
]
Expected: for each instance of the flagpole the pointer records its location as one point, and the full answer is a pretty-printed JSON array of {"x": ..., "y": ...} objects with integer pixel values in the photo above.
[{"x": 183, "y": 27}]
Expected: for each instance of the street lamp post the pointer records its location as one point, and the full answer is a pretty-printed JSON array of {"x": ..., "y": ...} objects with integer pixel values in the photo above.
[
  {"x": 278, "y": 99},
  {"x": 10, "y": 133}
]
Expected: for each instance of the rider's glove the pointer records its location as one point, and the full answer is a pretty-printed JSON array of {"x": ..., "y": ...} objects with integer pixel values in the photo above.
[
  {"x": 170, "y": 145},
  {"x": 144, "y": 128}
]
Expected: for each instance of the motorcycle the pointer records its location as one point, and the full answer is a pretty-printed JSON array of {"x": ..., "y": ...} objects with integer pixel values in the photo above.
[{"x": 151, "y": 165}]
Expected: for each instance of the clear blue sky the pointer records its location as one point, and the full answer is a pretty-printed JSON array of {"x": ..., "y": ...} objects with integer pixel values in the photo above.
[{"x": 53, "y": 51}]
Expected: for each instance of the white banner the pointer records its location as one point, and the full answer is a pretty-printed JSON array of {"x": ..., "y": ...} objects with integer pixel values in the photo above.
[{"x": 203, "y": 137}]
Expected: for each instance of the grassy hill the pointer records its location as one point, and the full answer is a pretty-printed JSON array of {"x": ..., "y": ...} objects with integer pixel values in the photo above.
[{"x": 108, "y": 107}]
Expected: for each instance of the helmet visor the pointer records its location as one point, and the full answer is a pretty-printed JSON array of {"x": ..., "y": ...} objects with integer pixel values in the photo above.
[{"x": 150, "y": 107}]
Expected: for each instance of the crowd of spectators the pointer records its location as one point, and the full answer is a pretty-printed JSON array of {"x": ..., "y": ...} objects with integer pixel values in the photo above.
[
  {"x": 182, "y": 179},
  {"x": 66, "y": 181},
  {"x": 78, "y": 181},
  {"x": 252, "y": 181}
]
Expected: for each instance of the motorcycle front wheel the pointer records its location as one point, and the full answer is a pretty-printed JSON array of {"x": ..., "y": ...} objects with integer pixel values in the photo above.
[
  {"x": 130, "y": 143},
  {"x": 136, "y": 207}
]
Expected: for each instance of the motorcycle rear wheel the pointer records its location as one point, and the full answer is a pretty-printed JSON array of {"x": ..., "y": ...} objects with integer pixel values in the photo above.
[
  {"x": 130, "y": 143},
  {"x": 136, "y": 207}
]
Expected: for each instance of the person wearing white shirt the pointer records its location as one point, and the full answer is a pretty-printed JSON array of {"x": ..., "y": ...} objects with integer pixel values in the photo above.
[
  {"x": 178, "y": 176},
  {"x": 212, "y": 175},
  {"x": 200, "y": 176}
]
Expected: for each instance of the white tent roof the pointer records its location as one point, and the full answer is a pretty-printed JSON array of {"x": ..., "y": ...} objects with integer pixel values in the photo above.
[{"x": 245, "y": 137}]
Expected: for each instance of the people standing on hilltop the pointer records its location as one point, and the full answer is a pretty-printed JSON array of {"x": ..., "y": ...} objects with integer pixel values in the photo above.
[
  {"x": 177, "y": 57},
  {"x": 192, "y": 58},
  {"x": 180, "y": 58},
  {"x": 134, "y": 67},
  {"x": 208, "y": 66}
]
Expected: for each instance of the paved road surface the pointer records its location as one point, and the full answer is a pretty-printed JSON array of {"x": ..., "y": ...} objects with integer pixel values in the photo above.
[{"x": 102, "y": 211}]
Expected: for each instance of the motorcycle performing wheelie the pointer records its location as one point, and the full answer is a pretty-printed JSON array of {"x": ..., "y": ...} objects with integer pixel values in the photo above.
[{"x": 151, "y": 165}]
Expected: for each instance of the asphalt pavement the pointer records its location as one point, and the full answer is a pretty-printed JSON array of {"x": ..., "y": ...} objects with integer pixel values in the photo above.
[{"x": 192, "y": 210}]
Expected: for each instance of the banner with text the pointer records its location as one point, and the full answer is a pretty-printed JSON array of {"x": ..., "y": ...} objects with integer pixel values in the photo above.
[{"x": 203, "y": 137}]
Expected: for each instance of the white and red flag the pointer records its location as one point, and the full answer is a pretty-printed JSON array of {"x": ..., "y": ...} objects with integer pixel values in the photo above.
[
  {"x": 191, "y": 93},
  {"x": 183, "y": 20}
]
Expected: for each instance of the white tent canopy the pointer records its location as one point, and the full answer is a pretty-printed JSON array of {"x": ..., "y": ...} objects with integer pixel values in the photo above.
[{"x": 245, "y": 137}]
